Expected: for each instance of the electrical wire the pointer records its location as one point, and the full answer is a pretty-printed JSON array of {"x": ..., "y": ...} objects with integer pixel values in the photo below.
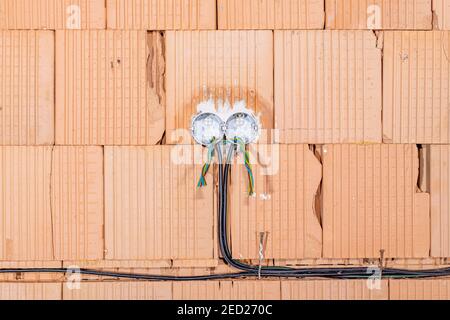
[
  {"x": 247, "y": 271},
  {"x": 147, "y": 277},
  {"x": 342, "y": 273},
  {"x": 202, "y": 181},
  {"x": 248, "y": 165}
]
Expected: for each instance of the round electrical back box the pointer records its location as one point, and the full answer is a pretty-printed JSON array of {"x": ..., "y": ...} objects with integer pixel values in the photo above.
[
  {"x": 243, "y": 126},
  {"x": 207, "y": 128}
]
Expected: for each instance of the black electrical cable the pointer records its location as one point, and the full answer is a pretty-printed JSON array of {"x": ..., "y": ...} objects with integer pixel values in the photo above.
[
  {"x": 263, "y": 271},
  {"x": 128, "y": 275},
  {"x": 224, "y": 170},
  {"x": 248, "y": 271}
]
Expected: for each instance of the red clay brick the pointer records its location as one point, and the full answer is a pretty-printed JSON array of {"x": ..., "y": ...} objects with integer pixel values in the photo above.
[
  {"x": 371, "y": 202},
  {"x": 287, "y": 178},
  {"x": 227, "y": 290},
  {"x": 120, "y": 291},
  {"x": 441, "y": 10},
  {"x": 271, "y": 14},
  {"x": 378, "y": 14},
  {"x": 327, "y": 87},
  {"x": 162, "y": 14},
  {"x": 77, "y": 199},
  {"x": 333, "y": 290},
  {"x": 233, "y": 64},
  {"x": 109, "y": 88},
  {"x": 52, "y": 14},
  {"x": 26, "y": 87},
  {"x": 153, "y": 208},
  {"x": 413, "y": 289},
  {"x": 416, "y": 85},
  {"x": 30, "y": 291},
  {"x": 439, "y": 188},
  {"x": 25, "y": 204}
]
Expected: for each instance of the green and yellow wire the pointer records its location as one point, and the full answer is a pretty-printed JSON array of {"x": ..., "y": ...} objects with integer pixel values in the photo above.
[
  {"x": 248, "y": 165},
  {"x": 205, "y": 169}
]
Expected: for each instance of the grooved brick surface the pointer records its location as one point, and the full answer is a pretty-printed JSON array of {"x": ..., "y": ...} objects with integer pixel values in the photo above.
[
  {"x": 120, "y": 291},
  {"x": 439, "y": 185},
  {"x": 98, "y": 169},
  {"x": 416, "y": 87},
  {"x": 327, "y": 87},
  {"x": 222, "y": 64},
  {"x": 441, "y": 9},
  {"x": 434, "y": 289},
  {"x": 371, "y": 202},
  {"x": 287, "y": 179},
  {"x": 154, "y": 209},
  {"x": 77, "y": 199},
  {"x": 161, "y": 14},
  {"x": 334, "y": 290},
  {"x": 227, "y": 290},
  {"x": 25, "y": 205},
  {"x": 379, "y": 14},
  {"x": 26, "y": 87},
  {"x": 271, "y": 14},
  {"x": 30, "y": 291},
  {"x": 52, "y": 14},
  {"x": 109, "y": 88}
]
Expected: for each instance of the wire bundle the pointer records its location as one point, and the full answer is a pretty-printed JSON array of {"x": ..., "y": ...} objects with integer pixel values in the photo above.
[
  {"x": 205, "y": 169},
  {"x": 248, "y": 166},
  {"x": 259, "y": 271},
  {"x": 247, "y": 271}
]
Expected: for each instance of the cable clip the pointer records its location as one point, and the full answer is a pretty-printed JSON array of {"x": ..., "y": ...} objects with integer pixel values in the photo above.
[
  {"x": 202, "y": 182},
  {"x": 262, "y": 237},
  {"x": 381, "y": 262}
]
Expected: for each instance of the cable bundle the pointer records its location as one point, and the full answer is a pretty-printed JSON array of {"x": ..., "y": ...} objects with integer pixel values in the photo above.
[
  {"x": 247, "y": 271},
  {"x": 287, "y": 272},
  {"x": 205, "y": 169},
  {"x": 248, "y": 165}
]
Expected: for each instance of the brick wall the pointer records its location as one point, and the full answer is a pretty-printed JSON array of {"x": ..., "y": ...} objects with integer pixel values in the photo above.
[{"x": 98, "y": 168}]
